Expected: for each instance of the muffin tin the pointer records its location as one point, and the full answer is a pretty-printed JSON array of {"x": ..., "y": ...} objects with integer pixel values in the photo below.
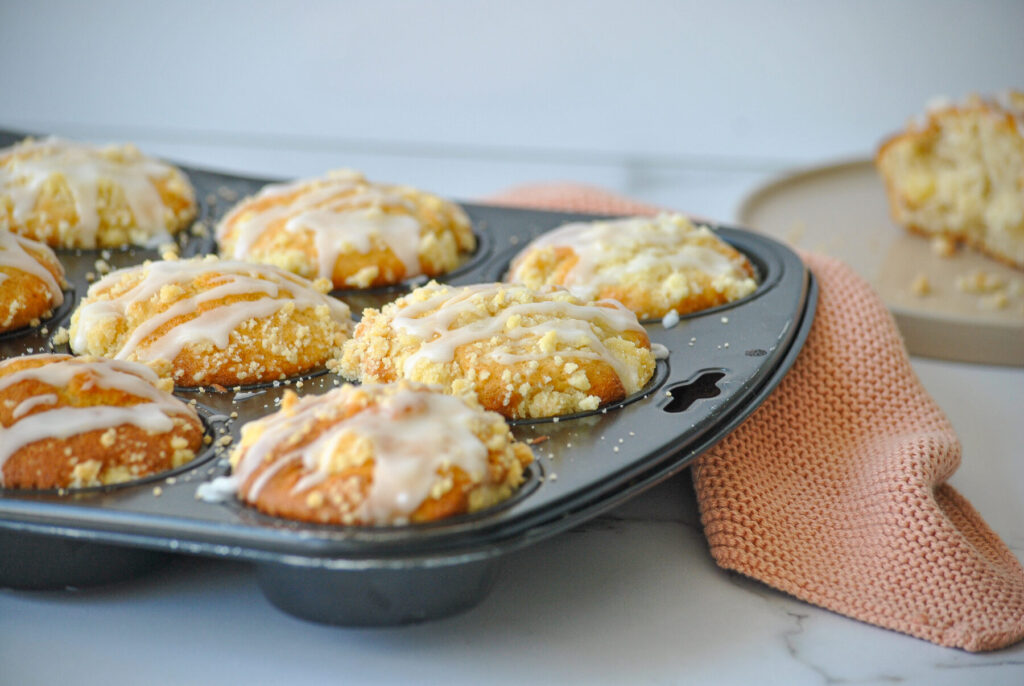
[{"x": 722, "y": 364}]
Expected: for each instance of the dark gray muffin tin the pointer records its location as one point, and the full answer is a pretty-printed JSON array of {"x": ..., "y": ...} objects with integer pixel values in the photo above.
[{"x": 723, "y": 363}]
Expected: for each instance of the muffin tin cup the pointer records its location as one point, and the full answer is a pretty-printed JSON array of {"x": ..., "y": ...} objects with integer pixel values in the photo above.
[
  {"x": 383, "y": 596},
  {"x": 721, "y": 366},
  {"x": 49, "y": 561}
]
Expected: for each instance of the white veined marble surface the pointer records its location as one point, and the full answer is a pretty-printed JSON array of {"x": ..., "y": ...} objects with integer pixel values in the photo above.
[{"x": 684, "y": 104}]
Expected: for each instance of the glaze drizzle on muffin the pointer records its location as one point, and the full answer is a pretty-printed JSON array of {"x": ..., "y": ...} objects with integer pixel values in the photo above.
[
  {"x": 653, "y": 265},
  {"x": 525, "y": 353},
  {"x": 78, "y": 421},
  {"x": 347, "y": 229},
  {"x": 31, "y": 279},
  {"x": 214, "y": 321},
  {"x": 78, "y": 196},
  {"x": 378, "y": 454}
]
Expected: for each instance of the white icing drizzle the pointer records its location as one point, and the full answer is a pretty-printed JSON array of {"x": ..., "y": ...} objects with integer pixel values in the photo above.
[
  {"x": 663, "y": 240},
  {"x": 154, "y": 415},
  {"x": 571, "y": 324},
  {"x": 220, "y": 489},
  {"x": 14, "y": 254},
  {"x": 29, "y": 404},
  {"x": 230, "y": 278},
  {"x": 335, "y": 231},
  {"x": 660, "y": 351},
  {"x": 82, "y": 167},
  {"x": 414, "y": 433},
  {"x": 248, "y": 230},
  {"x": 342, "y": 212}
]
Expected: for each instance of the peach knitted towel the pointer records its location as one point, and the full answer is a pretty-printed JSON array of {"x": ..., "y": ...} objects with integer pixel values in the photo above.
[{"x": 834, "y": 489}]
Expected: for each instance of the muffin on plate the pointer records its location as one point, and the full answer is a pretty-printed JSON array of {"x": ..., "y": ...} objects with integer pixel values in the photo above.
[
  {"x": 356, "y": 233},
  {"x": 72, "y": 195},
  {"x": 211, "y": 322},
  {"x": 377, "y": 455},
  {"x": 71, "y": 422},
  {"x": 652, "y": 265},
  {"x": 523, "y": 353},
  {"x": 957, "y": 175},
  {"x": 31, "y": 281}
]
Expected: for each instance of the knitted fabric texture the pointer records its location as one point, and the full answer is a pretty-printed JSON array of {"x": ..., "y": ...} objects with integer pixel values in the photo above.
[{"x": 834, "y": 489}]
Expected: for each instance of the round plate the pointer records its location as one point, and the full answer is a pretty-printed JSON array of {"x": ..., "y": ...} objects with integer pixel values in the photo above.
[{"x": 841, "y": 209}]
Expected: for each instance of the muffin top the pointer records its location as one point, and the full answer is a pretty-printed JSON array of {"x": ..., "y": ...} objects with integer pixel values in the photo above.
[
  {"x": 31, "y": 279},
  {"x": 49, "y": 402},
  {"x": 525, "y": 353},
  {"x": 214, "y": 321},
  {"x": 378, "y": 454},
  {"x": 73, "y": 195},
  {"x": 650, "y": 264},
  {"x": 347, "y": 229}
]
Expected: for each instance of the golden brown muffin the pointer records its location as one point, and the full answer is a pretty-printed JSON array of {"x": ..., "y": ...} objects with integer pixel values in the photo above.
[
  {"x": 958, "y": 174},
  {"x": 344, "y": 228},
  {"x": 211, "y": 321},
  {"x": 379, "y": 455},
  {"x": 652, "y": 265},
  {"x": 31, "y": 279},
  {"x": 70, "y": 422},
  {"x": 71, "y": 195},
  {"x": 524, "y": 353}
]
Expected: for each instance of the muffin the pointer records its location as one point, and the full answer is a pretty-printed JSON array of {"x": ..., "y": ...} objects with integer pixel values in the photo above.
[
  {"x": 653, "y": 266},
  {"x": 341, "y": 227},
  {"x": 71, "y": 195},
  {"x": 211, "y": 322},
  {"x": 31, "y": 279},
  {"x": 524, "y": 353},
  {"x": 71, "y": 422},
  {"x": 958, "y": 175},
  {"x": 377, "y": 455}
]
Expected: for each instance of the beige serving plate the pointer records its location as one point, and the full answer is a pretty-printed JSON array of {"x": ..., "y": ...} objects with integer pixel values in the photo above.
[{"x": 841, "y": 210}]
